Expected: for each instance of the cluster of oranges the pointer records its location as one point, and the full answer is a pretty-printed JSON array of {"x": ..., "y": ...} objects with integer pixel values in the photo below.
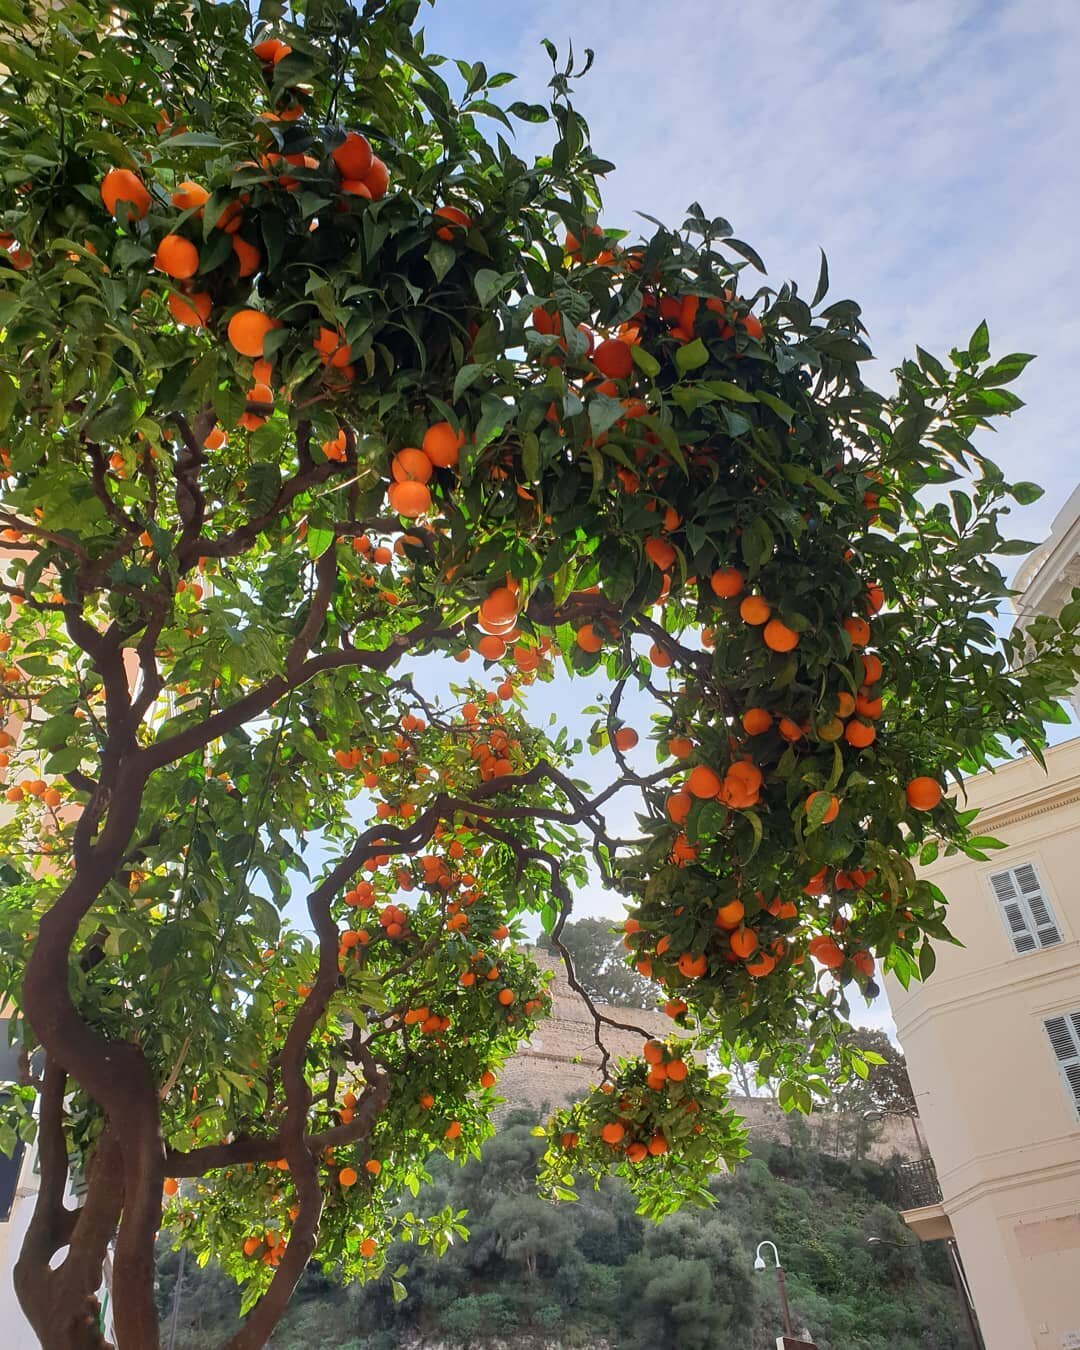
[{"x": 412, "y": 469}]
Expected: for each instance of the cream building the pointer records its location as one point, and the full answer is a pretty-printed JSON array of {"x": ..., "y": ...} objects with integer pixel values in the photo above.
[{"x": 993, "y": 1050}]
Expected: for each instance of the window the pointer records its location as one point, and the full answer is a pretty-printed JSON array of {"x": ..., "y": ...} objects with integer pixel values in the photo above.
[
  {"x": 1025, "y": 909},
  {"x": 1064, "y": 1033}
]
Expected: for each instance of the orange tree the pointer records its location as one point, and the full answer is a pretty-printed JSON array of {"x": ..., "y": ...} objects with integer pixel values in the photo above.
[{"x": 310, "y": 383}]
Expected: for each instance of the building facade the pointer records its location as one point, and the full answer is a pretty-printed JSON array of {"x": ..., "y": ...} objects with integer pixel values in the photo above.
[{"x": 992, "y": 1041}]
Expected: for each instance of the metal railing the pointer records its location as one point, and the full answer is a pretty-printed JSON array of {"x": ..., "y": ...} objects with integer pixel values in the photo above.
[{"x": 919, "y": 1184}]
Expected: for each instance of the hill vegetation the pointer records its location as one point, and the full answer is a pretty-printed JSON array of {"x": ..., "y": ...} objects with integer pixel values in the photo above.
[{"x": 594, "y": 1274}]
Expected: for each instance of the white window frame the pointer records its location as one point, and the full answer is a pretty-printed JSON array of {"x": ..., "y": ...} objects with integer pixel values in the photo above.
[
  {"x": 1062, "y": 1031},
  {"x": 1024, "y": 908}
]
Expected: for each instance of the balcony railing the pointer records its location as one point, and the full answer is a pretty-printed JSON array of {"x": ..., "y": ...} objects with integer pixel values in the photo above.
[{"x": 918, "y": 1184}]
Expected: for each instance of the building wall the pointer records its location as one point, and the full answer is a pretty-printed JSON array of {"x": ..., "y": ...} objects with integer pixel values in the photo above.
[{"x": 1002, "y": 1128}]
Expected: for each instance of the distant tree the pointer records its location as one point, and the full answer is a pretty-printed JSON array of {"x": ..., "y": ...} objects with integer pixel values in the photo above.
[{"x": 600, "y": 964}]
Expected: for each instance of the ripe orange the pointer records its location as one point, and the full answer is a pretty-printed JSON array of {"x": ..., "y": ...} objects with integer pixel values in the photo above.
[
  {"x": 660, "y": 552},
  {"x": 188, "y": 195},
  {"x": 355, "y": 188},
  {"x": 177, "y": 257},
  {"x": 923, "y": 794},
  {"x": 826, "y": 951},
  {"x": 858, "y": 630},
  {"x": 491, "y": 647},
  {"x": 368, "y": 1248},
  {"x": 458, "y": 221},
  {"x": 120, "y": 186},
  {"x": 411, "y": 465},
  {"x": 500, "y": 606},
  {"x": 779, "y": 637},
  {"x": 247, "y": 255},
  {"x": 506, "y": 997},
  {"x": 859, "y": 734},
  {"x": 755, "y": 721},
  {"x": 678, "y": 806},
  {"x": 612, "y": 1133},
  {"x": 677, "y": 1070},
  {"x": 190, "y": 311},
  {"x": 653, "y": 1052},
  {"x": 614, "y": 359},
  {"x": 726, "y": 582},
  {"x": 831, "y": 811},
  {"x": 271, "y": 50},
  {"x": 789, "y": 730},
  {"x": 868, "y": 707},
  {"x": 682, "y": 747},
  {"x": 636, "y": 1153},
  {"x": 625, "y": 738},
  {"x": 377, "y": 178},
  {"x": 692, "y": 967},
  {"x": 248, "y": 329},
  {"x": 170, "y": 1186},
  {"x": 588, "y": 639},
  {"x": 754, "y": 610},
  {"x": 674, "y": 1007},
  {"x": 703, "y": 781},
  {"x": 729, "y": 916},
  {"x": 487, "y": 1079},
  {"x": 872, "y": 668},
  {"x": 442, "y": 445},
  {"x": 744, "y": 942},
  {"x": 845, "y": 704},
  {"x": 875, "y": 597},
  {"x": 409, "y": 500},
  {"x": 657, "y": 1145},
  {"x": 374, "y": 1166},
  {"x": 452, "y": 1130},
  {"x": 762, "y": 966},
  {"x": 347, "y": 1177},
  {"x": 353, "y": 156}
]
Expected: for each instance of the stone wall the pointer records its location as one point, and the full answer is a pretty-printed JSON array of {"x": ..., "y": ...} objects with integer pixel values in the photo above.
[{"x": 562, "y": 1060}]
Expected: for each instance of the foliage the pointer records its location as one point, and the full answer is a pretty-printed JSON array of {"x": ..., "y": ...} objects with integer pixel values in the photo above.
[
  {"x": 610, "y": 1275},
  {"x": 288, "y": 426},
  {"x": 601, "y": 966}
]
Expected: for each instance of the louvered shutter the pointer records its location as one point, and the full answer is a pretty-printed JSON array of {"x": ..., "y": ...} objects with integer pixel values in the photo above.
[
  {"x": 1025, "y": 909},
  {"x": 1064, "y": 1034}
]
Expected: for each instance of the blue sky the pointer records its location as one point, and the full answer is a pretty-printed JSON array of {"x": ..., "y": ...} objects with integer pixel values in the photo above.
[{"x": 929, "y": 146}]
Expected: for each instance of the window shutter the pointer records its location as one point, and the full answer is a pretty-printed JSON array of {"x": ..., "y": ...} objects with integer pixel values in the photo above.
[
  {"x": 1025, "y": 909},
  {"x": 1064, "y": 1034}
]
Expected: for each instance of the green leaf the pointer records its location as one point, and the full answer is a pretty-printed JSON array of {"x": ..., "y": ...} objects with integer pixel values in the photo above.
[
  {"x": 731, "y": 392},
  {"x": 9, "y": 393},
  {"x": 488, "y": 284},
  {"x": 1026, "y": 493},
  {"x": 979, "y": 344},
  {"x": 692, "y": 355},
  {"x": 645, "y": 361},
  {"x": 319, "y": 540},
  {"x": 465, "y": 379},
  {"x": 927, "y": 960},
  {"x": 823, "y": 281}
]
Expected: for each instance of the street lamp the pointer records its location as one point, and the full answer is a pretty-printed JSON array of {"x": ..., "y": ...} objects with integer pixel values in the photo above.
[{"x": 759, "y": 1264}]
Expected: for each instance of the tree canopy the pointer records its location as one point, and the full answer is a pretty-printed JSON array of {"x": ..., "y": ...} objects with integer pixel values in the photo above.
[{"x": 312, "y": 383}]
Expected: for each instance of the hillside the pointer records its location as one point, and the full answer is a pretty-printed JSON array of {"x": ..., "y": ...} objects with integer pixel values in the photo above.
[{"x": 593, "y": 1276}]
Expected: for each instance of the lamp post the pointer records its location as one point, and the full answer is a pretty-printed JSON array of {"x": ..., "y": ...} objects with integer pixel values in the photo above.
[{"x": 759, "y": 1264}]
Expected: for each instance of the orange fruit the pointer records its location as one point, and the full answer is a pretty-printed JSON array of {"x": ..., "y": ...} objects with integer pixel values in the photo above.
[
  {"x": 491, "y": 647},
  {"x": 657, "y": 1145},
  {"x": 190, "y": 311},
  {"x": 170, "y": 1186},
  {"x": 355, "y": 188},
  {"x": 845, "y": 704},
  {"x": 442, "y": 445},
  {"x": 177, "y": 257},
  {"x": 247, "y": 255},
  {"x": 726, "y": 582},
  {"x": 409, "y": 500},
  {"x": 762, "y": 966},
  {"x": 625, "y": 738},
  {"x": 377, "y": 178},
  {"x": 789, "y": 730},
  {"x": 868, "y": 707},
  {"x": 677, "y": 1071},
  {"x": 744, "y": 942},
  {"x": 636, "y": 1153},
  {"x": 703, "y": 781},
  {"x": 500, "y": 606},
  {"x": 612, "y": 1133},
  {"x": 692, "y": 967},
  {"x": 872, "y": 668},
  {"x": 859, "y": 734},
  {"x": 506, "y": 997},
  {"x": 374, "y": 1166},
  {"x": 653, "y": 1052},
  {"x": 754, "y": 610},
  {"x": 248, "y": 329},
  {"x": 826, "y": 951},
  {"x": 410, "y": 465},
  {"x": 588, "y": 639},
  {"x": 678, "y": 806},
  {"x": 660, "y": 657},
  {"x": 452, "y": 1130},
  {"x": 923, "y": 794},
  {"x": 660, "y": 552},
  {"x": 779, "y": 637},
  {"x": 831, "y": 811},
  {"x": 458, "y": 221},
  {"x": 347, "y": 1177},
  {"x": 858, "y": 630},
  {"x": 682, "y": 747},
  {"x": 830, "y": 730},
  {"x": 368, "y": 1248},
  {"x": 187, "y": 195},
  {"x": 875, "y": 597},
  {"x": 353, "y": 157},
  {"x": 755, "y": 721},
  {"x": 271, "y": 50},
  {"x": 120, "y": 186},
  {"x": 729, "y": 916},
  {"x": 614, "y": 359}
]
